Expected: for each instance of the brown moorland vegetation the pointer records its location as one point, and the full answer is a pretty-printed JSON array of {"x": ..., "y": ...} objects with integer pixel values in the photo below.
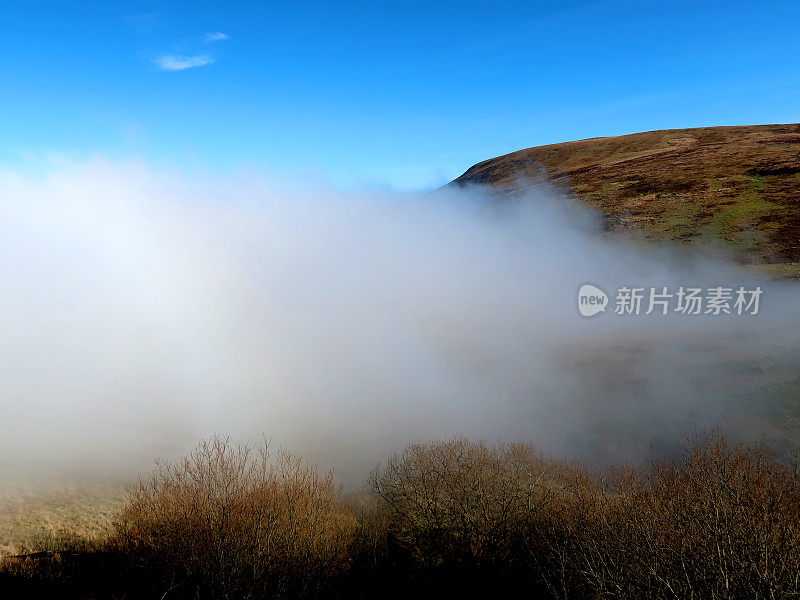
[
  {"x": 738, "y": 187},
  {"x": 456, "y": 518}
]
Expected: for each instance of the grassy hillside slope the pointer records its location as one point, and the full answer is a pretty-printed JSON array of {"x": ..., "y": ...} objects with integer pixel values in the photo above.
[{"x": 738, "y": 186}]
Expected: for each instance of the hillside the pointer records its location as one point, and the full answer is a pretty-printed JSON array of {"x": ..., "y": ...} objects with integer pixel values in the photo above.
[{"x": 738, "y": 186}]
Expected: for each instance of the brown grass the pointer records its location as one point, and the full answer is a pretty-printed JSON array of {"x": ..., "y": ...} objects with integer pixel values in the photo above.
[{"x": 40, "y": 517}]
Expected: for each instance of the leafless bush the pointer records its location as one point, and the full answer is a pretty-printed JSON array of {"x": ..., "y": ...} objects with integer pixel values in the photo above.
[
  {"x": 463, "y": 502},
  {"x": 239, "y": 524},
  {"x": 723, "y": 522},
  {"x": 370, "y": 548}
]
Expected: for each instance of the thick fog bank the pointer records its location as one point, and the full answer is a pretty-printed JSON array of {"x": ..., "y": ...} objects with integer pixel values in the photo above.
[{"x": 141, "y": 310}]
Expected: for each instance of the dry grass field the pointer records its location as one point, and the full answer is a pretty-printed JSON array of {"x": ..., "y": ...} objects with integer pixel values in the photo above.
[{"x": 37, "y": 517}]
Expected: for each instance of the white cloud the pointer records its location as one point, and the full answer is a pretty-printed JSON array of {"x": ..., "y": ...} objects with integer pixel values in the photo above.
[
  {"x": 215, "y": 36},
  {"x": 169, "y": 62}
]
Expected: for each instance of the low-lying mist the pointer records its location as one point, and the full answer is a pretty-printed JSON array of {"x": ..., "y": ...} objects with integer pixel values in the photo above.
[{"x": 143, "y": 309}]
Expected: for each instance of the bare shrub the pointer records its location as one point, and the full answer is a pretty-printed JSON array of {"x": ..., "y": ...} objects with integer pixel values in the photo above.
[
  {"x": 463, "y": 502},
  {"x": 723, "y": 522},
  {"x": 448, "y": 518},
  {"x": 370, "y": 549},
  {"x": 240, "y": 524}
]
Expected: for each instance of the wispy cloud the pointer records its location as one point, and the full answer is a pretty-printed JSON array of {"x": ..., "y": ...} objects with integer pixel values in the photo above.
[
  {"x": 169, "y": 62},
  {"x": 215, "y": 36}
]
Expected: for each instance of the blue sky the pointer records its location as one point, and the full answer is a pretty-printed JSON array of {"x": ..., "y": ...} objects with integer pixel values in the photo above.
[{"x": 381, "y": 93}]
